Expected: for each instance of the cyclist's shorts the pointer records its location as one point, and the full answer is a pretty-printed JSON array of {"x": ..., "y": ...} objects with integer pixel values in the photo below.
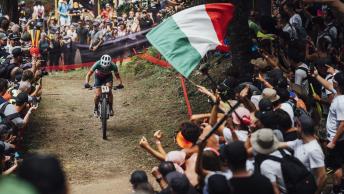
[{"x": 99, "y": 81}]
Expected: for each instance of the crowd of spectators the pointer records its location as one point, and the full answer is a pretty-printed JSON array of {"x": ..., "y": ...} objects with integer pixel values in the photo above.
[
  {"x": 287, "y": 134},
  {"x": 73, "y": 23}
]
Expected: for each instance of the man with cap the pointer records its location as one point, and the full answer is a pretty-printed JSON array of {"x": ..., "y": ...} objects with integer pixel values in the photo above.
[
  {"x": 12, "y": 112},
  {"x": 11, "y": 68},
  {"x": 14, "y": 41},
  {"x": 146, "y": 21},
  {"x": 268, "y": 93},
  {"x": 3, "y": 43},
  {"x": 308, "y": 150}
]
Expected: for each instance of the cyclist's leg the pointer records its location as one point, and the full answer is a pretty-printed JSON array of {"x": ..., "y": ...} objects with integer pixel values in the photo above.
[
  {"x": 110, "y": 85},
  {"x": 97, "y": 83}
]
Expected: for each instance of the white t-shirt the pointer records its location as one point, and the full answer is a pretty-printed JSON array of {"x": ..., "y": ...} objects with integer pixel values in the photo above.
[
  {"x": 335, "y": 116},
  {"x": 329, "y": 78},
  {"x": 289, "y": 109},
  {"x": 255, "y": 99},
  {"x": 273, "y": 171},
  {"x": 227, "y": 134},
  {"x": 310, "y": 154},
  {"x": 296, "y": 21},
  {"x": 300, "y": 77}
]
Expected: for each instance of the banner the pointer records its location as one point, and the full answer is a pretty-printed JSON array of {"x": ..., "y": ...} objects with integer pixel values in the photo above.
[{"x": 116, "y": 48}]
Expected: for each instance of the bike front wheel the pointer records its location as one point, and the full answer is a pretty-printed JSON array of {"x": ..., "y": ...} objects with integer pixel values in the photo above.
[{"x": 103, "y": 117}]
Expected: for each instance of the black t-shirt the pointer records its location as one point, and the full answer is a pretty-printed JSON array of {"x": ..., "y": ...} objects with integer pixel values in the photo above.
[
  {"x": 290, "y": 136},
  {"x": 145, "y": 23},
  {"x": 254, "y": 184},
  {"x": 82, "y": 33},
  {"x": 75, "y": 18}
]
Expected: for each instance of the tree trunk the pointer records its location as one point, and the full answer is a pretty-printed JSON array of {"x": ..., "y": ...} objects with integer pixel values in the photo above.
[
  {"x": 10, "y": 8},
  {"x": 240, "y": 41}
]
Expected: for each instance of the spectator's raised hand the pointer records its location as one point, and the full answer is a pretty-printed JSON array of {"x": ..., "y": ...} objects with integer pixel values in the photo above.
[
  {"x": 143, "y": 142},
  {"x": 244, "y": 92},
  {"x": 158, "y": 135}
]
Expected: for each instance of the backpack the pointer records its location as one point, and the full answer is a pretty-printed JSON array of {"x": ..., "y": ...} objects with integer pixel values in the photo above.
[
  {"x": 7, "y": 120},
  {"x": 300, "y": 32},
  {"x": 297, "y": 179},
  {"x": 6, "y": 68}
]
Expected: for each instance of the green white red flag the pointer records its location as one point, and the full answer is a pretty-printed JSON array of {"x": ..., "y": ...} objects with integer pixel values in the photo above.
[{"x": 184, "y": 38}]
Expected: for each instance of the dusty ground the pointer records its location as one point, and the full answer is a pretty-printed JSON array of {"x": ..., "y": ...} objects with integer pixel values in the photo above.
[{"x": 65, "y": 127}]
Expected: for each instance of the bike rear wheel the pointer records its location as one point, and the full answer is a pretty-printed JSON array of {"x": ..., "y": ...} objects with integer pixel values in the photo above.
[{"x": 103, "y": 117}]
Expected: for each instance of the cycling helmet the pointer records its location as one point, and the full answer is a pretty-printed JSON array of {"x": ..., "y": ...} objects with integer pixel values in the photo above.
[{"x": 105, "y": 61}]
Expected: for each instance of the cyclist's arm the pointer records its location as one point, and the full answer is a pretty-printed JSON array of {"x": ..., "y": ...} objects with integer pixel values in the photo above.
[
  {"x": 90, "y": 72},
  {"x": 116, "y": 73}
]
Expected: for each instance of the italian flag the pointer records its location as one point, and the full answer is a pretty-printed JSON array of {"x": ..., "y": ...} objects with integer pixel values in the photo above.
[{"x": 184, "y": 38}]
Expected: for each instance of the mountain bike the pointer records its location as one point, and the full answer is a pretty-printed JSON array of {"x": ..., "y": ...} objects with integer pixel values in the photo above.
[
  {"x": 104, "y": 105},
  {"x": 104, "y": 108}
]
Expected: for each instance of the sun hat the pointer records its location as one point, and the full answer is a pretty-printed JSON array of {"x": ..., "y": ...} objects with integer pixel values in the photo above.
[
  {"x": 260, "y": 63},
  {"x": 270, "y": 94},
  {"x": 241, "y": 116},
  {"x": 264, "y": 141}
]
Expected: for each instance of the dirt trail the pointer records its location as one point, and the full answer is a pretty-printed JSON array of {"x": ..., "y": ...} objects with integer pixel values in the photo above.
[{"x": 64, "y": 126}]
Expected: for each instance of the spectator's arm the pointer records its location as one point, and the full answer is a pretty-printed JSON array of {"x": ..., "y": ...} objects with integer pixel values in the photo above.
[
  {"x": 320, "y": 174},
  {"x": 199, "y": 167},
  {"x": 27, "y": 116},
  {"x": 247, "y": 102},
  {"x": 339, "y": 133},
  {"x": 145, "y": 145},
  {"x": 327, "y": 85},
  {"x": 213, "y": 114},
  {"x": 158, "y": 136},
  {"x": 261, "y": 79},
  {"x": 12, "y": 169}
]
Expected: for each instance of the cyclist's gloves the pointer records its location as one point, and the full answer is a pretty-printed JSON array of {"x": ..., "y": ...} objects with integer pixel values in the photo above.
[
  {"x": 120, "y": 86},
  {"x": 87, "y": 85}
]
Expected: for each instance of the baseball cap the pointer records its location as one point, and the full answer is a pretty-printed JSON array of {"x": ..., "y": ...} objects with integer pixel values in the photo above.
[
  {"x": 265, "y": 105},
  {"x": 307, "y": 124},
  {"x": 14, "y": 36},
  {"x": 17, "y": 51},
  {"x": 22, "y": 98},
  {"x": 3, "y": 36}
]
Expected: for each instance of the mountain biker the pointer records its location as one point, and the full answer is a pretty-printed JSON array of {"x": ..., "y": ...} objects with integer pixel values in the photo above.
[{"x": 103, "y": 75}]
